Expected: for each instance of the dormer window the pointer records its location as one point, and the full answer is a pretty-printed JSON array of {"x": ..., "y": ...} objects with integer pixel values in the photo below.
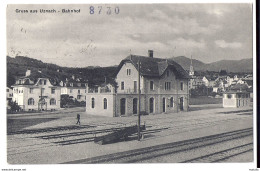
[{"x": 44, "y": 82}]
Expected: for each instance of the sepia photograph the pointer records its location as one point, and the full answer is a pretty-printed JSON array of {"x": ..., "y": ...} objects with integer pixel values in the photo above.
[{"x": 129, "y": 83}]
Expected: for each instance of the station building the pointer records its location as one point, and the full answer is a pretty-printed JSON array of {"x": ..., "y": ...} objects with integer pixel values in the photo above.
[{"x": 163, "y": 88}]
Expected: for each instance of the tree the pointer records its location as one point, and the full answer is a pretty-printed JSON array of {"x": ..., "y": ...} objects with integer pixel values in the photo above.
[
  {"x": 10, "y": 79},
  {"x": 222, "y": 72},
  {"x": 14, "y": 106},
  {"x": 200, "y": 90},
  {"x": 66, "y": 100}
]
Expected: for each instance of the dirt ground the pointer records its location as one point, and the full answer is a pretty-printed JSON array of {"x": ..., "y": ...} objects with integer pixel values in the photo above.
[{"x": 202, "y": 120}]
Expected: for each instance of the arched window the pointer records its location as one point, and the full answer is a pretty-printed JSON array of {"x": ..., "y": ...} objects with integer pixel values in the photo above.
[
  {"x": 52, "y": 102},
  {"x": 93, "y": 103},
  {"x": 171, "y": 102},
  {"x": 31, "y": 101},
  {"x": 105, "y": 103}
]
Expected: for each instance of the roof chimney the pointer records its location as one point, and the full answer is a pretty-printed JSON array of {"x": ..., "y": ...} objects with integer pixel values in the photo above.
[
  {"x": 28, "y": 72},
  {"x": 150, "y": 53}
]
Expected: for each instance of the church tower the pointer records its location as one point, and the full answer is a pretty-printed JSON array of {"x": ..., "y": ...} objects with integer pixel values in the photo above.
[{"x": 191, "y": 73}]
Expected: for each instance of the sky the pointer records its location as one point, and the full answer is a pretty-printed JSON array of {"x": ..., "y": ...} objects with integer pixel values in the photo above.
[{"x": 208, "y": 32}]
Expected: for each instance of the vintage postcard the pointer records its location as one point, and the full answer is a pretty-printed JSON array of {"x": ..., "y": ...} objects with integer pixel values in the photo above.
[{"x": 129, "y": 83}]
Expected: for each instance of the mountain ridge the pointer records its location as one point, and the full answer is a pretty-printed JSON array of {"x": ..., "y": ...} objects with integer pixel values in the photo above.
[{"x": 242, "y": 65}]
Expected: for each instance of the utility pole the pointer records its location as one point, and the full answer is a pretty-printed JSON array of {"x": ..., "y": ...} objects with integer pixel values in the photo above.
[
  {"x": 139, "y": 101},
  {"x": 41, "y": 99}
]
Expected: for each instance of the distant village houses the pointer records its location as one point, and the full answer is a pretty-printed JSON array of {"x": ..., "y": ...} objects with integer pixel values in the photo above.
[{"x": 213, "y": 84}]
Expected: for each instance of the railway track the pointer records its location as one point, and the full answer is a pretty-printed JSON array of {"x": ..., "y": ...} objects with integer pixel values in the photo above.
[
  {"x": 222, "y": 155},
  {"x": 147, "y": 153},
  {"x": 89, "y": 139},
  {"x": 239, "y": 111},
  {"x": 52, "y": 129}
]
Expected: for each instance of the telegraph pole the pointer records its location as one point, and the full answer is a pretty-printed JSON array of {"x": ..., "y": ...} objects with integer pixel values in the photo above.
[
  {"x": 139, "y": 101},
  {"x": 41, "y": 98}
]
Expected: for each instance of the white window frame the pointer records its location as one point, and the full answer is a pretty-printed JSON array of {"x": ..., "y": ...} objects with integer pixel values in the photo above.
[
  {"x": 93, "y": 103},
  {"x": 105, "y": 104},
  {"x": 53, "y": 90},
  {"x": 52, "y": 102},
  {"x": 122, "y": 85},
  {"x": 31, "y": 102},
  {"x": 151, "y": 84},
  {"x": 167, "y": 85},
  {"x": 181, "y": 85}
]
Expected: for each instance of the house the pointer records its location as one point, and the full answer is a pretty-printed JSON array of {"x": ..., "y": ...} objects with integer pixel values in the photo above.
[
  {"x": 221, "y": 83},
  {"x": 205, "y": 81},
  {"x": 215, "y": 89},
  {"x": 195, "y": 82},
  {"x": 248, "y": 80},
  {"x": 36, "y": 91},
  {"x": 236, "y": 99},
  {"x": 9, "y": 96},
  {"x": 229, "y": 80},
  {"x": 76, "y": 89},
  {"x": 9, "y": 93},
  {"x": 163, "y": 88}
]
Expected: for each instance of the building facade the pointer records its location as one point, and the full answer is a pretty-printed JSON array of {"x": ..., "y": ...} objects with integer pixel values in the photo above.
[
  {"x": 236, "y": 99},
  {"x": 36, "y": 92},
  {"x": 9, "y": 93},
  {"x": 163, "y": 88},
  {"x": 76, "y": 90}
]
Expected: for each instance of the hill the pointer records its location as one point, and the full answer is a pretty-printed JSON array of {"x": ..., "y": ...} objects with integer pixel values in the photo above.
[
  {"x": 16, "y": 67},
  {"x": 243, "y": 65},
  {"x": 185, "y": 62}
]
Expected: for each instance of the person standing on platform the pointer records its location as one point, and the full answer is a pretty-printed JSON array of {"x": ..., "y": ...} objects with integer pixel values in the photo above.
[{"x": 78, "y": 118}]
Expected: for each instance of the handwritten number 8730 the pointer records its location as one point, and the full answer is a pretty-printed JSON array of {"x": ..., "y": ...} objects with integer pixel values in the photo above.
[{"x": 108, "y": 12}]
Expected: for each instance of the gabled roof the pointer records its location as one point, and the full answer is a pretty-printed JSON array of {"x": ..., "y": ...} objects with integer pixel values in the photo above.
[
  {"x": 249, "y": 82},
  {"x": 236, "y": 92},
  {"x": 154, "y": 67},
  {"x": 37, "y": 75},
  {"x": 239, "y": 87}
]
